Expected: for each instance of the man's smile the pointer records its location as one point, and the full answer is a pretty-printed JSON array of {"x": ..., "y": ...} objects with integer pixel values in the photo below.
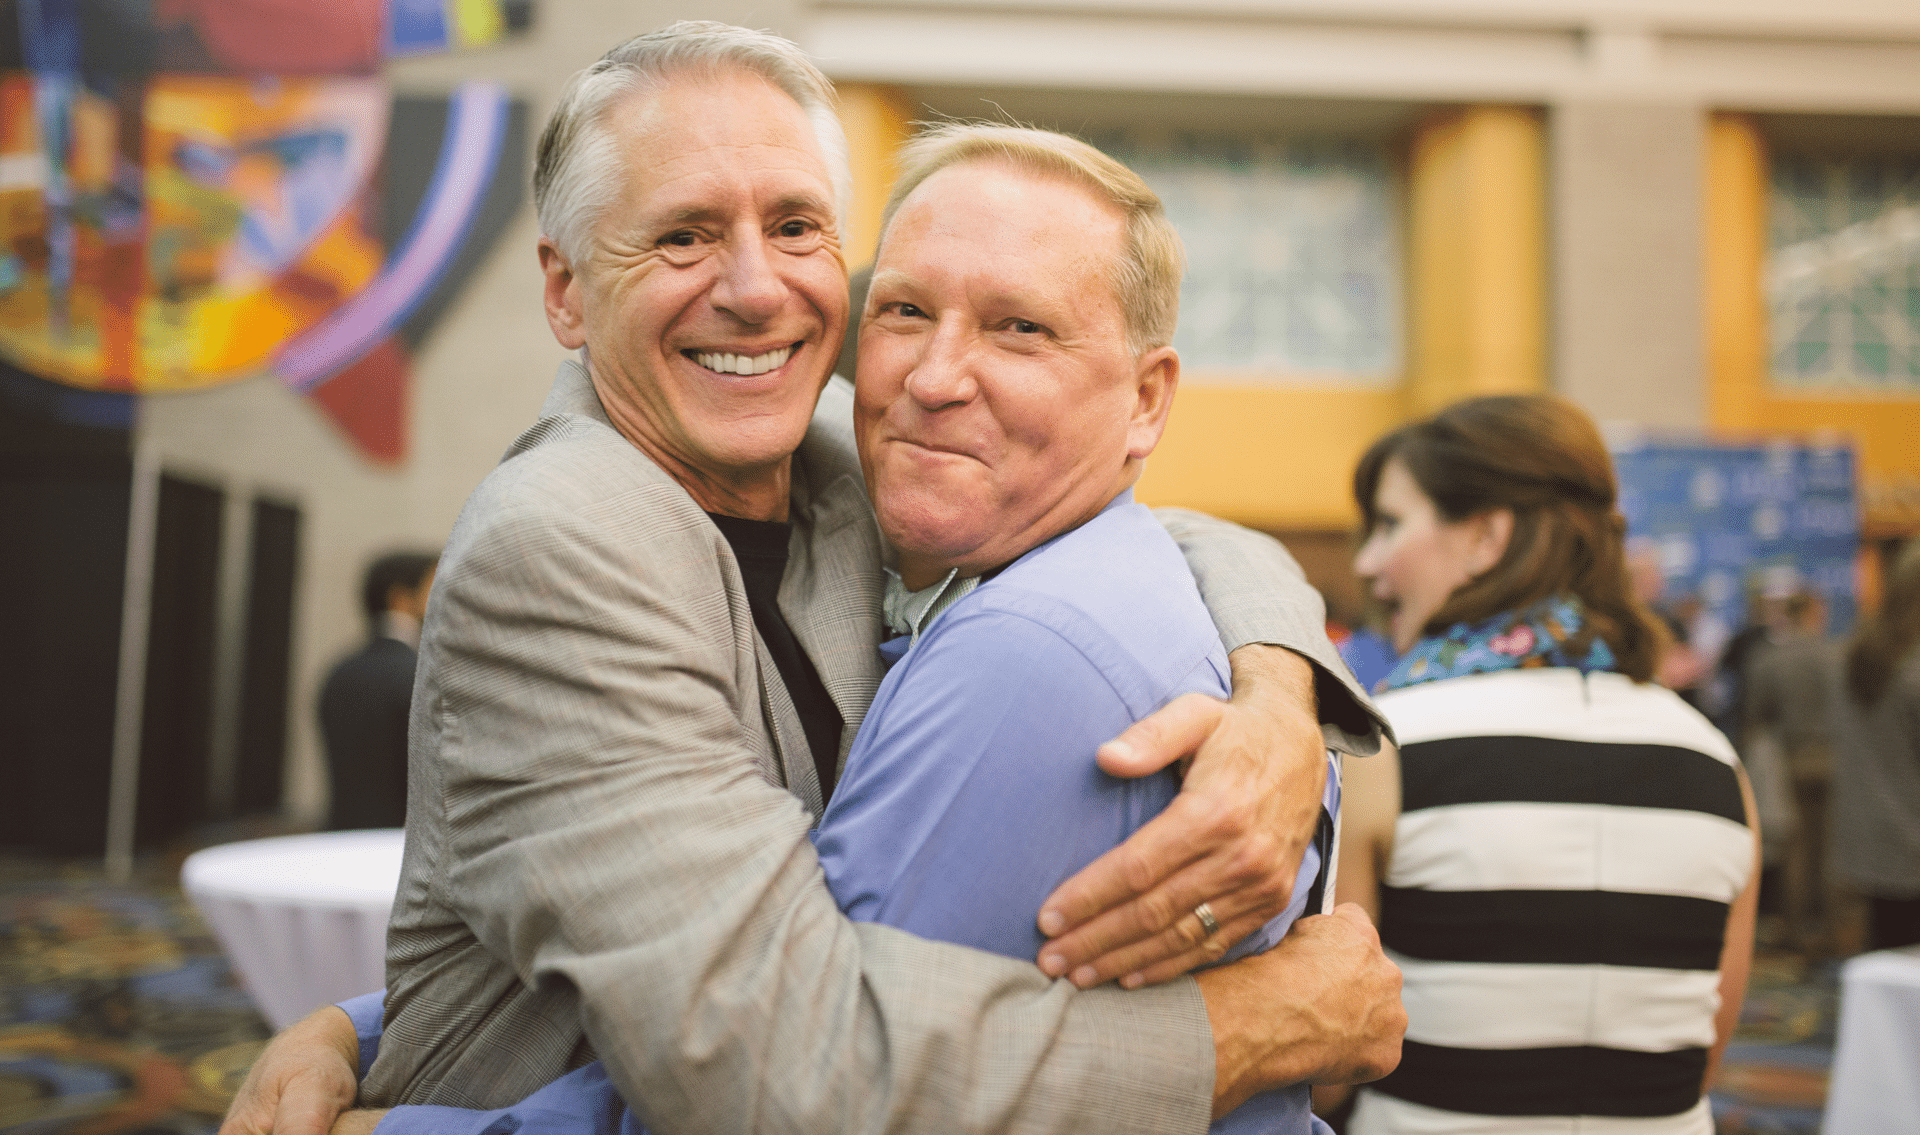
[{"x": 723, "y": 362}]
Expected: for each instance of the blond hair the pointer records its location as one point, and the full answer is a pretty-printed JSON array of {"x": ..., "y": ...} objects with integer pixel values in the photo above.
[{"x": 1146, "y": 274}]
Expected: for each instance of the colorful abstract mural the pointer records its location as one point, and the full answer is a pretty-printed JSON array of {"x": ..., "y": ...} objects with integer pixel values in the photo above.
[{"x": 198, "y": 191}]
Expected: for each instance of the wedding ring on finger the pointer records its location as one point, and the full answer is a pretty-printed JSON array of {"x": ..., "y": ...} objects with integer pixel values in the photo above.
[{"x": 1204, "y": 913}]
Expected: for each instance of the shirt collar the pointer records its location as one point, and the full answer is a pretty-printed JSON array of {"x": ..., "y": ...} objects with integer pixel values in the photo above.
[
  {"x": 400, "y": 625},
  {"x": 910, "y": 612}
]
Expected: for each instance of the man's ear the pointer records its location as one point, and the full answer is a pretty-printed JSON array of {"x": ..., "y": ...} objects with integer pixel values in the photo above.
[
  {"x": 1156, "y": 377},
  {"x": 1493, "y": 530},
  {"x": 562, "y": 297}
]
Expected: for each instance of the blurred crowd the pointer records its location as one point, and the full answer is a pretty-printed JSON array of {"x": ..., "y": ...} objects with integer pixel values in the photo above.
[{"x": 1826, "y": 726}]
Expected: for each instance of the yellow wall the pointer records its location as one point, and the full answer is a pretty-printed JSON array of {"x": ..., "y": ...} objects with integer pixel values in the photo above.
[
  {"x": 877, "y": 120},
  {"x": 1276, "y": 457},
  {"x": 1476, "y": 251},
  {"x": 1740, "y": 400},
  {"x": 1282, "y": 457}
]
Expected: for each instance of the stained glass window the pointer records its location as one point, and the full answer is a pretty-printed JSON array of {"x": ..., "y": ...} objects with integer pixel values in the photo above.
[
  {"x": 1293, "y": 252},
  {"x": 1843, "y": 273}
]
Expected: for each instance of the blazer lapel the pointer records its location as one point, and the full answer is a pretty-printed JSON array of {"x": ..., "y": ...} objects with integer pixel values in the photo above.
[
  {"x": 830, "y": 596},
  {"x": 831, "y": 593},
  {"x": 794, "y": 771},
  {"x": 787, "y": 761}
]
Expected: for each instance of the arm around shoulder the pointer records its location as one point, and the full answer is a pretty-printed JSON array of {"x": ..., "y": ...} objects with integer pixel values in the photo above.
[
  {"x": 608, "y": 824},
  {"x": 1257, "y": 595},
  {"x": 1322, "y": 1007}
]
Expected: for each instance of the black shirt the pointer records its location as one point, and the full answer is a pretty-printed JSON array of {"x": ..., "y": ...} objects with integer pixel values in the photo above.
[{"x": 761, "y": 548}]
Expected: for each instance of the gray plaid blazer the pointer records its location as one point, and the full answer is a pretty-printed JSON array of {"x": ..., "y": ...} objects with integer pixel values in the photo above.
[{"x": 609, "y": 800}]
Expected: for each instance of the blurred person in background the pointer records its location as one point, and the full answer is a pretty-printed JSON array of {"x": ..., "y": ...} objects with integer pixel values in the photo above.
[
  {"x": 1368, "y": 652},
  {"x": 1876, "y": 775},
  {"x": 1785, "y": 701},
  {"x": 1723, "y": 697},
  {"x": 1682, "y": 668},
  {"x": 365, "y": 700},
  {"x": 1562, "y": 855}
]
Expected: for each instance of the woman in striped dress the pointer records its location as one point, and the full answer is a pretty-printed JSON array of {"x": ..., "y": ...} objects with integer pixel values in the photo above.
[{"x": 1562, "y": 857}]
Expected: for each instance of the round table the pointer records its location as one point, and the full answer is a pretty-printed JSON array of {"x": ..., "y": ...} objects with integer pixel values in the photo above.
[
  {"x": 1875, "y": 1087},
  {"x": 303, "y": 918}
]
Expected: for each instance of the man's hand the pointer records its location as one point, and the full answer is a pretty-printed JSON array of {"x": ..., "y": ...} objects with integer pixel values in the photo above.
[
  {"x": 1232, "y": 839},
  {"x": 304, "y": 1079},
  {"x": 1322, "y": 1007}
]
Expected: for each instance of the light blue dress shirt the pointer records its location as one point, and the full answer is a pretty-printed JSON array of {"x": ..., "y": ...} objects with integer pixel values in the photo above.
[{"x": 971, "y": 790}]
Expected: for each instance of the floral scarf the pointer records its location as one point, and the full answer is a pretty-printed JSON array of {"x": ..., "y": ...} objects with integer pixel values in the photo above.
[{"x": 1544, "y": 634}]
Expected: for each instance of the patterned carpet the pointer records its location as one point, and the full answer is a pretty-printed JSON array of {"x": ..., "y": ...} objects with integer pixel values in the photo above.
[
  {"x": 118, "y": 1014},
  {"x": 1774, "y": 1078}
]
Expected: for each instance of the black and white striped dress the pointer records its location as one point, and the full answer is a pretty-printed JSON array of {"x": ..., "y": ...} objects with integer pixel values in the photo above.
[{"x": 1567, "y": 850}]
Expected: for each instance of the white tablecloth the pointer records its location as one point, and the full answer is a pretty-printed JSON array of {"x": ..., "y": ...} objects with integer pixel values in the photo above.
[
  {"x": 1875, "y": 1089},
  {"x": 303, "y": 918}
]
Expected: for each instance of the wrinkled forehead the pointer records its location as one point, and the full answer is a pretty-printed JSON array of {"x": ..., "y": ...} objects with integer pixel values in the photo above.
[
  {"x": 700, "y": 103},
  {"x": 1035, "y": 231},
  {"x": 713, "y": 107},
  {"x": 693, "y": 148}
]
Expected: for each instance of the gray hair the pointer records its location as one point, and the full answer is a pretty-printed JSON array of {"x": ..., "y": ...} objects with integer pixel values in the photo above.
[
  {"x": 574, "y": 170},
  {"x": 1145, "y": 276}
]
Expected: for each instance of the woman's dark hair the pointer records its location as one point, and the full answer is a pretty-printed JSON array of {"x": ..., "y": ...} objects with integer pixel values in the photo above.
[
  {"x": 1543, "y": 459},
  {"x": 1886, "y": 636}
]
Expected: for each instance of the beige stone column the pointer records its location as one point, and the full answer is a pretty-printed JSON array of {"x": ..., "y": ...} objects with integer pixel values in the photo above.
[{"x": 1629, "y": 334}]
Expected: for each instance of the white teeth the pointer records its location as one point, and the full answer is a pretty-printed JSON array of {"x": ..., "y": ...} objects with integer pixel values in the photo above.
[{"x": 744, "y": 364}]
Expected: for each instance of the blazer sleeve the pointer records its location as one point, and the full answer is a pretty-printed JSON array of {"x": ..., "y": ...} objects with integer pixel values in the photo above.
[
  {"x": 604, "y": 823},
  {"x": 1258, "y": 594}
]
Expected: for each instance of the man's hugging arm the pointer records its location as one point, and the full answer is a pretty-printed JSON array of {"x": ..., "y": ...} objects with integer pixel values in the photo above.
[
  {"x": 608, "y": 826},
  {"x": 1234, "y": 837}
]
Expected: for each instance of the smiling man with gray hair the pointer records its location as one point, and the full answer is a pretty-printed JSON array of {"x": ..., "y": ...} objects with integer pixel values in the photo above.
[{"x": 650, "y": 646}]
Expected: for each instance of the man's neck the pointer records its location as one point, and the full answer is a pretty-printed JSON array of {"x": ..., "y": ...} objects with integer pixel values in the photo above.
[
  {"x": 763, "y": 494},
  {"x": 754, "y": 493},
  {"x": 918, "y": 572},
  {"x": 918, "y": 575}
]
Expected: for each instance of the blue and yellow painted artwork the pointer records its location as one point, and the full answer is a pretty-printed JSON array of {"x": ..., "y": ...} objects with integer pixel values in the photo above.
[{"x": 194, "y": 192}]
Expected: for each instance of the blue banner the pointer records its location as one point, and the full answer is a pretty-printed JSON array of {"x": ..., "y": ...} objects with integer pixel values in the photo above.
[{"x": 1729, "y": 520}]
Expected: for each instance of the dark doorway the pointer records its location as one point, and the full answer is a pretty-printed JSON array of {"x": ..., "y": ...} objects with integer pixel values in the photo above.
[
  {"x": 177, "y": 707},
  {"x": 266, "y": 670},
  {"x": 64, "y": 496}
]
